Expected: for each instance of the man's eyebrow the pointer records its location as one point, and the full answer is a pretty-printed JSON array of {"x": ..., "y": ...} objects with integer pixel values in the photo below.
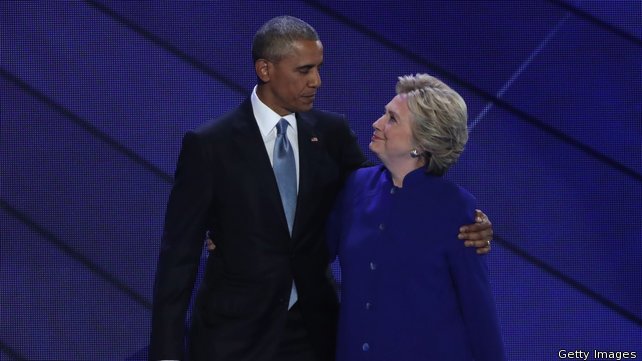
[{"x": 309, "y": 66}]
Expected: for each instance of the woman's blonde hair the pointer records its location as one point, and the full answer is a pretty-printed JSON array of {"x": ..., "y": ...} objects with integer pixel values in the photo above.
[{"x": 439, "y": 124}]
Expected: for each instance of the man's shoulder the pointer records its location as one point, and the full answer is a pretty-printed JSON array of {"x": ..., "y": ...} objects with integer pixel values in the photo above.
[
  {"x": 320, "y": 113},
  {"x": 224, "y": 123},
  {"x": 324, "y": 120}
]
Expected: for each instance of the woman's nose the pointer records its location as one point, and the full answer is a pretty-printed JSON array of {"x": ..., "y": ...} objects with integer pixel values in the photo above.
[{"x": 377, "y": 122}]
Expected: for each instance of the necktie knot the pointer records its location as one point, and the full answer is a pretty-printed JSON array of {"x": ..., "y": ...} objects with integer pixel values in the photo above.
[{"x": 282, "y": 127}]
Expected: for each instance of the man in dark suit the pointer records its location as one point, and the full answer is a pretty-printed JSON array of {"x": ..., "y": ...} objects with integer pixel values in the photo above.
[{"x": 266, "y": 293}]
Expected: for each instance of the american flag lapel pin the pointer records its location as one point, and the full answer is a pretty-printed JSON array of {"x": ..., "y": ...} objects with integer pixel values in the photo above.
[{"x": 314, "y": 139}]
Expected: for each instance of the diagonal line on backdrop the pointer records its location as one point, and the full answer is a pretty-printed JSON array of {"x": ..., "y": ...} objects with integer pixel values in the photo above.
[
  {"x": 90, "y": 265},
  {"x": 167, "y": 46},
  {"x": 568, "y": 280},
  {"x": 598, "y": 22},
  {"x": 519, "y": 71},
  {"x": 11, "y": 352},
  {"x": 97, "y": 133},
  {"x": 603, "y": 158}
]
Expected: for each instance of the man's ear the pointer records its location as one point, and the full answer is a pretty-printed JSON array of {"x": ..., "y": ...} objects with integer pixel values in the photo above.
[{"x": 262, "y": 68}]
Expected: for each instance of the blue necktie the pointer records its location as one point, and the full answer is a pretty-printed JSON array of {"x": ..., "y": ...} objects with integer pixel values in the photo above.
[{"x": 285, "y": 172}]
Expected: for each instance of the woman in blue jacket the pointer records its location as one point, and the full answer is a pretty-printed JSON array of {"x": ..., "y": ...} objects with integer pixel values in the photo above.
[{"x": 410, "y": 290}]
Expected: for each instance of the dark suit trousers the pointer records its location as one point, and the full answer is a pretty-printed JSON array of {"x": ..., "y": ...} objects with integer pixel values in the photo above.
[{"x": 295, "y": 344}]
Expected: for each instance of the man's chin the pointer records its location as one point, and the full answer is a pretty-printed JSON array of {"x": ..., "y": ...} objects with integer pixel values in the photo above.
[{"x": 304, "y": 108}]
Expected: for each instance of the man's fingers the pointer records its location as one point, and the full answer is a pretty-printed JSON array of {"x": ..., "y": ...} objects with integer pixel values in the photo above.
[
  {"x": 210, "y": 245},
  {"x": 483, "y": 247},
  {"x": 483, "y": 250},
  {"x": 479, "y": 234},
  {"x": 481, "y": 217},
  {"x": 476, "y": 227},
  {"x": 478, "y": 244},
  {"x": 482, "y": 235}
]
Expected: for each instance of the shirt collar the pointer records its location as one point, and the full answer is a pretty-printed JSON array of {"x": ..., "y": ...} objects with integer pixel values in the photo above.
[
  {"x": 267, "y": 118},
  {"x": 414, "y": 177}
]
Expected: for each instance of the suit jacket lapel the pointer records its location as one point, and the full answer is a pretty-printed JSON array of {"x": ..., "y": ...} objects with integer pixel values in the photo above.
[
  {"x": 309, "y": 146},
  {"x": 249, "y": 143},
  {"x": 250, "y": 150}
]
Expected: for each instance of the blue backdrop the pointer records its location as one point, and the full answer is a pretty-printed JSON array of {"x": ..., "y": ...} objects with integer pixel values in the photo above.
[{"x": 95, "y": 97}]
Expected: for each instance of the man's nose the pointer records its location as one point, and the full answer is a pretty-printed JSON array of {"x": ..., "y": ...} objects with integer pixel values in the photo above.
[{"x": 315, "y": 82}]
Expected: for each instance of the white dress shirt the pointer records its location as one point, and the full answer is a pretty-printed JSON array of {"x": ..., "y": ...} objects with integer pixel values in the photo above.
[{"x": 266, "y": 119}]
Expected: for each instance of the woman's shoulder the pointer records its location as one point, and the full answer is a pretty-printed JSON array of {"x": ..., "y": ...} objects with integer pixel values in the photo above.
[
  {"x": 448, "y": 196},
  {"x": 365, "y": 173},
  {"x": 449, "y": 188},
  {"x": 364, "y": 180}
]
